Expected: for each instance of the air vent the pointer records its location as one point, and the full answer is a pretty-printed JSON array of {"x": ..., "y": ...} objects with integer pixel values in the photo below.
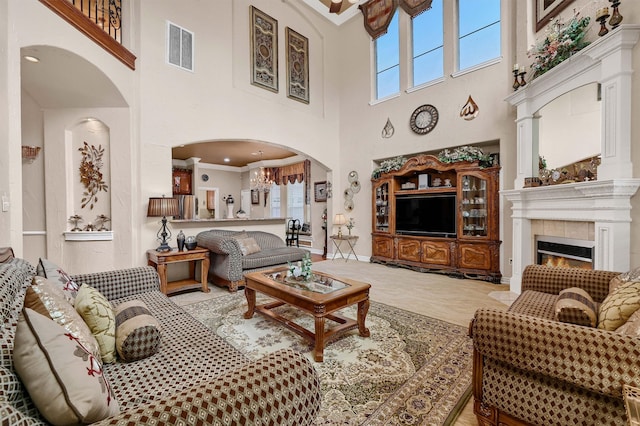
[{"x": 179, "y": 47}]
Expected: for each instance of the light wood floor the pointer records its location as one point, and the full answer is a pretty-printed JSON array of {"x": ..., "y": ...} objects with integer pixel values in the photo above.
[{"x": 435, "y": 295}]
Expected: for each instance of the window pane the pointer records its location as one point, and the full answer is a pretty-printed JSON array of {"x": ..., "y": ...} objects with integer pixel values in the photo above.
[
  {"x": 274, "y": 200},
  {"x": 478, "y": 32},
  {"x": 480, "y": 46},
  {"x": 475, "y": 14},
  {"x": 428, "y": 35},
  {"x": 295, "y": 201},
  {"x": 387, "y": 51},
  {"x": 388, "y": 82},
  {"x": 428, "y": 67},
  {"x": 427, "y": 29}
]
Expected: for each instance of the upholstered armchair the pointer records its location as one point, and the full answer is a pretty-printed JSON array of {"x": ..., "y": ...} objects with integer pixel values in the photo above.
[{"x": 530, "y": 368}]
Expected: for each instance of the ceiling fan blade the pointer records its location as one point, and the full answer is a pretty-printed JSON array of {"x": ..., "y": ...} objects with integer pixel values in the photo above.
[{"x": 335, "y": 7}]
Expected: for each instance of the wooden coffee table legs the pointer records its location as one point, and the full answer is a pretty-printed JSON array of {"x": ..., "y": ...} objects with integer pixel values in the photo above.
[{"x": 321, "y": 336}]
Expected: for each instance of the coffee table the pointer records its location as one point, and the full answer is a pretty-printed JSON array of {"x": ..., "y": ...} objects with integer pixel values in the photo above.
[{"x": 319, "y": 298}]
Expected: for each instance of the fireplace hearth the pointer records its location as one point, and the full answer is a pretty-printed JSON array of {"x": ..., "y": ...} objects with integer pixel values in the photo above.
[{"x": 563, "y": 252}]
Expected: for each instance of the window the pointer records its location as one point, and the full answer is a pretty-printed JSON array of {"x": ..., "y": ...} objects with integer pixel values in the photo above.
[
  {"x": 428, "y": 45},
  {"x": 295, "y": 201},
  {"x": 179, "y": 47},
  {"x": 478, "y": 32},
  {"x": 387, "y": 48},
  {"x": 274, "y": 201}
]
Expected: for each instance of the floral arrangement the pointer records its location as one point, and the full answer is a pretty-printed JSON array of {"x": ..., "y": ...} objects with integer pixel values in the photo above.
[
  {"x": 350, "y": 224},
  {"x": 301, "y": 270},
  {"x": 562, "y": 41},
  {"x": 389, "y": 166},
  {"x": 90, "y": 174},
  {"x": 464, "y": 153}
]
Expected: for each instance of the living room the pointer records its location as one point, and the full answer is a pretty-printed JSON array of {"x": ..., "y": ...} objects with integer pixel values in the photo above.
[{"x": 155, "y": 107}]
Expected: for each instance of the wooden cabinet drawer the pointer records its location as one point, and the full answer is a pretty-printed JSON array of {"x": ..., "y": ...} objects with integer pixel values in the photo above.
[
  {"x": 436, "y": 253},
  {"x": 382, "y": 246},
  {"x": 475, "y": 256}
]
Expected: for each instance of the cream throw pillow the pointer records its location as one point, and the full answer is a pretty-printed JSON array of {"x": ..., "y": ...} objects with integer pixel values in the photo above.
[
  {"x": 63, "y": 378},
  {"x": 632, "y": 326},
  {"x": 248, "y": 245},
  {"x": 619, "y": 305},
  {"x": 61, "y": 311},
  {"x": 97, "y": 313},
  {"x": 575, "y": 306}
]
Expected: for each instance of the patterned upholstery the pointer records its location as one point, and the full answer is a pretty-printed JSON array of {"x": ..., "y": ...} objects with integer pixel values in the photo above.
[
  {"x": 542, "y": 371},
  {"x": 228, "y": 265},
  {"x": 195, "y": 375}
]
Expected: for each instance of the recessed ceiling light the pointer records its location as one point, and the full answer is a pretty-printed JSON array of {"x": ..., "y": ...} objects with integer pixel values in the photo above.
[
  {"x": 31, "y": 58},
  {"x": 226, "y": 160}
]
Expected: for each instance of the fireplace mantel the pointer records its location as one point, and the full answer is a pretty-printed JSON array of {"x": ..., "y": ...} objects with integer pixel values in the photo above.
[{"x": 607, "y": 201}]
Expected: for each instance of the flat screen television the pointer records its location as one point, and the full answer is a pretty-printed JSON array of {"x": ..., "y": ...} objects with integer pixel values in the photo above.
[{"x": 431, "y": 215}]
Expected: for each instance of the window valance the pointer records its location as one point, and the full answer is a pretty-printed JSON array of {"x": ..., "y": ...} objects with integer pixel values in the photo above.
[
  {"x": 292, "y": 173},
  {"x": 415, "y": 7},
  {"x": 378, "y": 13}
]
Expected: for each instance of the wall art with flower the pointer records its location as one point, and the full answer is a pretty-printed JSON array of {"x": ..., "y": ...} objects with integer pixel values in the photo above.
[{"x": 91, "y": 174}]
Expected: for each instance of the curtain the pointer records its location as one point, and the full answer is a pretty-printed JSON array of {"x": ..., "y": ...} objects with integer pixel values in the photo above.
[
  {"x": 415, "y": 7},
  {"x": 292, "y": 173},
  {"x": 378, "y": 15}
]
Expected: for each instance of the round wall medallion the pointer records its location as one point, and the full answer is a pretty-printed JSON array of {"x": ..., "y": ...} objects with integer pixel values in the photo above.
[
  {"x": 355, "y": 187},
  {"x": 353, "y": 176},
  {"x": 205, "y": 177},
  {"x": 424, "y": 119}
]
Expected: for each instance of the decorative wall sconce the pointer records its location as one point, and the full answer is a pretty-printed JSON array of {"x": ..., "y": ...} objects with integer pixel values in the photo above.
[{"x": 30, "y": 153}]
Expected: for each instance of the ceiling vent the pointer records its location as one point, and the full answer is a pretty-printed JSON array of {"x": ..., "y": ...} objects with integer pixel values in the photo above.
[{"x": 179, "y": 47}]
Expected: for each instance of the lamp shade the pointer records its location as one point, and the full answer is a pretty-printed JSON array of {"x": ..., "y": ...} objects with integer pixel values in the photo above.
[
  {"x": 339, "y": 219},
  {"x": 161, "y": 206}
]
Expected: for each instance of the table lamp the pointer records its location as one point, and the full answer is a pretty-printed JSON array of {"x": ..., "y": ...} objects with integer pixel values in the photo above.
[
  {"x": 339, "y": 220},
  {"x": 163, "y": 207}
]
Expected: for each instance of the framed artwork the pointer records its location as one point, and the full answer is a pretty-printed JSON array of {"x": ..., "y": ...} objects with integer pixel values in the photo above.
[
  {"x": 255, "y": 196},
  {"x": 264, "y": 50},
  {"x": 548, "y": 9},
  {"x": 320, "y": 191},
  {"x": 297, "y": 66}
]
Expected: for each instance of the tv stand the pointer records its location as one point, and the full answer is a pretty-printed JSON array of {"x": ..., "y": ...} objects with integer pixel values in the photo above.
[{"x": 473, "y": 251}]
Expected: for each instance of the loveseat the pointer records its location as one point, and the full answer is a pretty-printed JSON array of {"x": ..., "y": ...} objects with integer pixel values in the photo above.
[
  {"x": 195, "y": 377},
  {"x": 530, "y": 368},
  {"x": 228, "y": 263}
]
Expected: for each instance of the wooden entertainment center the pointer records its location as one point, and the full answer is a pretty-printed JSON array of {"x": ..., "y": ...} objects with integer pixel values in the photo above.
[{"x": 440, "y": 217}]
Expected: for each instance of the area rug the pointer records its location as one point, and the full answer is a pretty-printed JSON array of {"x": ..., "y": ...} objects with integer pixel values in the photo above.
[{"x": 412, "y": 370}]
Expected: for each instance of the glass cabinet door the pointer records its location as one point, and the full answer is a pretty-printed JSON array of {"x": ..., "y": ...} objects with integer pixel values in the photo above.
[
  {"x": 382, "y": 208},
  {"x": 474, "y": 206}
]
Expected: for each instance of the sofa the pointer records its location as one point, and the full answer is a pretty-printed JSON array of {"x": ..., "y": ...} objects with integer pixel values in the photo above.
[
  {"x": 230, "y": 259},
  {"x": 195, "y": 377},
  {"x": 531, "y": 368}
]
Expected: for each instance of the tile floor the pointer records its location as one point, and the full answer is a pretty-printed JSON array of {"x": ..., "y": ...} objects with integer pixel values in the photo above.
[{"x": 435, "y": 295}]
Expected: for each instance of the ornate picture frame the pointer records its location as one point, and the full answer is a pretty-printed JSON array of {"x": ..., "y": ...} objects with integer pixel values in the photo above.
[
  {"x": 255, "y": 196},
  {"x": 264, "y": 50},
  {"x": 297, "y": 66},
  {"x": 547, "y": 9},
  {"x": 320, "y": 191}
]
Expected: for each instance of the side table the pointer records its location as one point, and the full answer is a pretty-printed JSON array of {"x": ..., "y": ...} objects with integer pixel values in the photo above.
[
  {"x": 160, "y": 260},
  {"x": 351, "y": 242}
]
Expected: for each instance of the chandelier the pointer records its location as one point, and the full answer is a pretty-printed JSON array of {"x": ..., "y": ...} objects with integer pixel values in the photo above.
[{"x": 262, "y": 180}]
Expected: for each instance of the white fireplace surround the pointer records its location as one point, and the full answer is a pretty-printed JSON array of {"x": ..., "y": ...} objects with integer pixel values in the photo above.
[{"x": 605, "y": 202}]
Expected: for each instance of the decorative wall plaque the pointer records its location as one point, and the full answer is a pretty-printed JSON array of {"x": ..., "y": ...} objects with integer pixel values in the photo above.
[
  {"x": 297, "y": 66},
  {"x": 264, "y": 50}
]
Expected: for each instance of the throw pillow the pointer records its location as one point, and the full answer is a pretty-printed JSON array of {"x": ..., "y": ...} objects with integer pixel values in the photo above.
[
  {"x": 575, "y": 306},
  {"x": 6, "y": 254},
  {"x": 97, "y": 313},
  {"x": 633, "y": 275},
  {"x": 248, "y": 245},
  {"x": 619, "y": 305},
  {"x": 9, "y": 385},
  {"x": 59, "y": 277},
  {"x": 62, "y": 312},
  {"x": 137, "y": 331},
  {"x": 632, "y": 326},
  {"x": 63, "y": 378}
]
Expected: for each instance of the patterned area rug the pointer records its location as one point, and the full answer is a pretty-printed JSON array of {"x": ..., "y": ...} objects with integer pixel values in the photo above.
[{"x": 413, "y": 370}]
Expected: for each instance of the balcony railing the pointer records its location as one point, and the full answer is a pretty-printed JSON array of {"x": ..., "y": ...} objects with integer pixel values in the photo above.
[{"x": 100, "y": 20}]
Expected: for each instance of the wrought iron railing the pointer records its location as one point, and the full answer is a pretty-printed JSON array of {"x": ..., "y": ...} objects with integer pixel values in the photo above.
[
  {"x": 100, "y": 20},
  {"x": 107, "y": 14}
]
